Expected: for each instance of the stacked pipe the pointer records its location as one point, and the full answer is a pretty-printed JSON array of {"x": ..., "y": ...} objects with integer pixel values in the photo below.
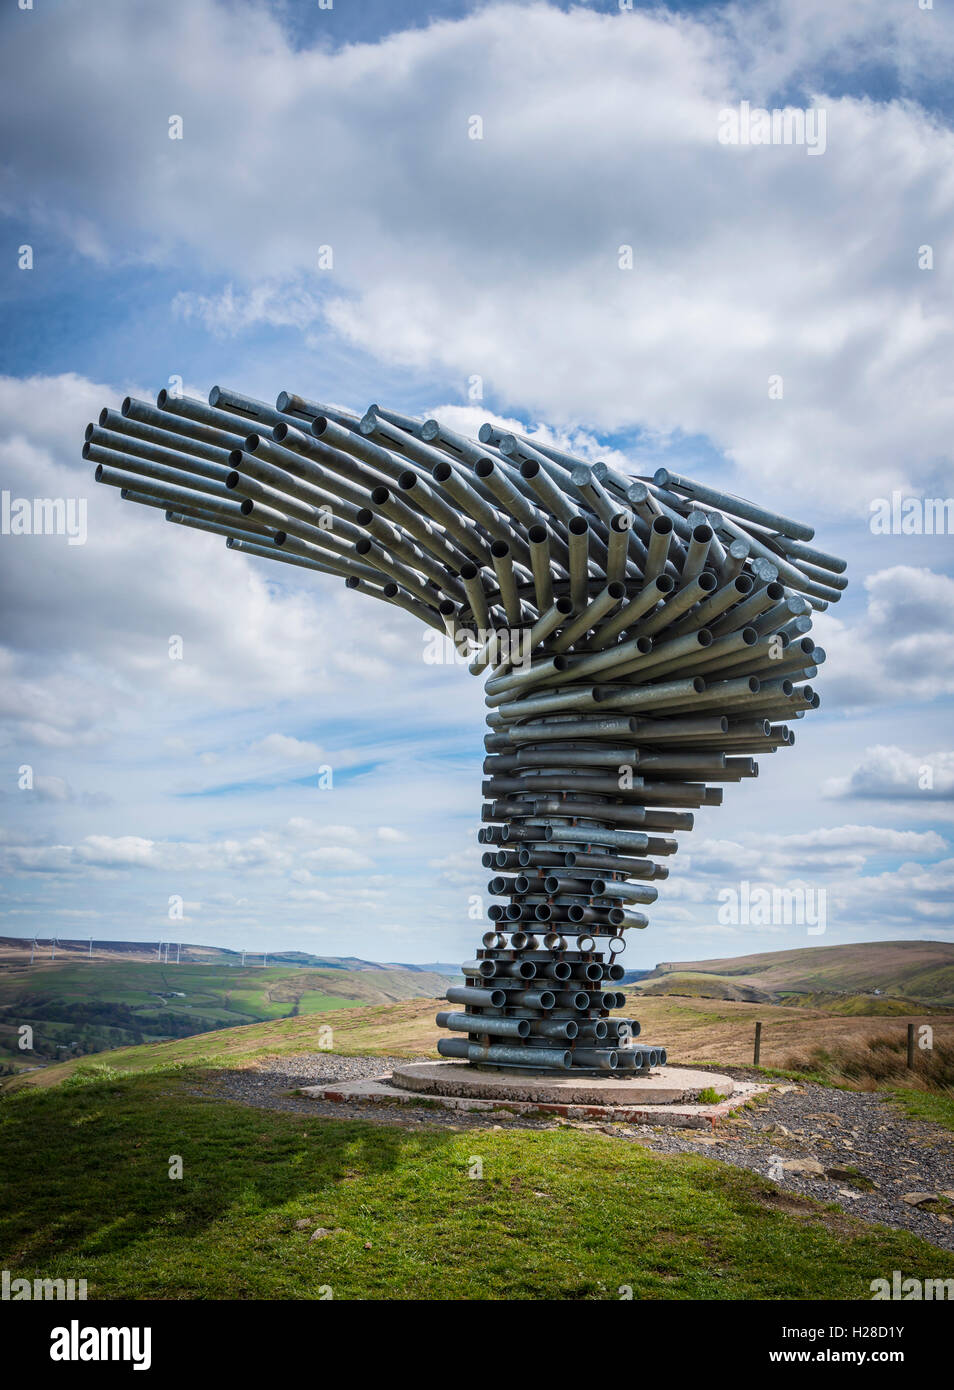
[{"x": 643, "y": 641}]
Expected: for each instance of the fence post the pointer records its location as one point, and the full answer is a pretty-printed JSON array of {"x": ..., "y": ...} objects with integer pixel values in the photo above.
[
  {"x": 758, "y": 1044},
  {"x": 911, "y": 1046}
]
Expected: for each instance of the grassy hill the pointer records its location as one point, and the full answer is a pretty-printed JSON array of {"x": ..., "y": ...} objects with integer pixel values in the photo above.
[
  {"x": 847, "y": 1049},
  {"x": 915, "y": 973},
  {"x": 81, "y": 1007},
  {"x": 273, "y": 1205},
  {"x": 279, "y": 1205}
]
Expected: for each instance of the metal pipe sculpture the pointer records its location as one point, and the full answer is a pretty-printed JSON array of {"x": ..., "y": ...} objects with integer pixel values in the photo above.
[{"x": 643, "y": 640}]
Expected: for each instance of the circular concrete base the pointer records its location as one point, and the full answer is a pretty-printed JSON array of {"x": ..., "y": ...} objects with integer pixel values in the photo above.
[{"x": 664, "y": 1086}]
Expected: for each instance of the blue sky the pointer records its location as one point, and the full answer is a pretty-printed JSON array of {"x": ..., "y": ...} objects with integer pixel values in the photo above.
[{"x": 158, "y": 780}]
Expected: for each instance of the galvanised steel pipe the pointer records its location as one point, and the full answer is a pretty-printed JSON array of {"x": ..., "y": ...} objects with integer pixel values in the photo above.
[
  {"x": 200, "y": 508},
  {"x": 578, "y": 540},
  {"x": 735, "y": 557},
  {"x": 660, "y": 539},
  {"x": 718, "y": 601},
  {"x": 426, "y": 536},
  {"x": 114, "y": 431},
  {"x": 217, "y": 528},
  {"x": 268, "y": 464},
  {"x": 746, "y": 613},
  {"x": 481, "y": 998},
  {"x": 553, "y": 498},
  {"x": 552, "y": 1058},
  {"x": 502, "y": 562},
  {"x": 668, "y": 695},
  {"x": 192, "y": 473},
  {"x": 589, "y": 615},
  {"x": 603, "y": 663},
  {"x": 473, "y": 504},
  {"x": 737, "y": 506},
  {"x": 697, "y": 588},
  {"x": 290, "y": 404},
  {"x": 798, "y": 553},
  {"x": 512, "y": 500},
  {"x": 486, "y": 1024},
  {"x": 617, "y": 547},
  {"x": 698, "y": 551},
  {"x": 629, "y": 892},
  {"x": 300, "y": 464},
  {"x": 596, "y": 727},
  {"x": 599, "y": 1058},
  {"x": 420, "y": 495},
  {"x": 303, "y": 562},
  {"x": 632, "y": 611},
  {"x": 135, "y": 411},
  {"x": 146, "y": 484},
  {"x": 563, "y": 1029}
]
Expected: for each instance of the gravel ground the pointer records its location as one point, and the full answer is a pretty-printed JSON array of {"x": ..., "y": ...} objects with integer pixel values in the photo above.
[{"x": 872, "y": 1154}]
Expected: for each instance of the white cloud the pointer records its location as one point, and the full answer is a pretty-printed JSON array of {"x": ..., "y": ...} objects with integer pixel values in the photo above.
[
  {"x": 748, "y": 261},
  {"x": 900, "y": 650},
  {"x": 893, "y": 773},
  {"x": 283, "y": 748}
]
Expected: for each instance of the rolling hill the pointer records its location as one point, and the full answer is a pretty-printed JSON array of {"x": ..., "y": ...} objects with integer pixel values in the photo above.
[
  {"x": 880, "y": 973},
  {"x": 76, "y": 1007}
]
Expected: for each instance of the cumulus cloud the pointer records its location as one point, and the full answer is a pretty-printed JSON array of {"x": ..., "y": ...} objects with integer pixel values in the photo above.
[
  {"x": 266, "y": 852},
  {"x": 748, "y": 261},
  {"x": 901, "y": 649},
  {"x": 887, "y": 771},
  {"x": 834, "y": 847},
  {"x": 461, "y": 262},
  {"x": 283, "y": 748}
]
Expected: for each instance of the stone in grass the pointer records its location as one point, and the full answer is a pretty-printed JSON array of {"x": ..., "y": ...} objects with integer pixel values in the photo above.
[
  {"x": 809, "y": 1166},
  {"x": 303, "y": 1224},
  {"x": 320, "y": 1232},
  {"x": 918, "y": 1199}
]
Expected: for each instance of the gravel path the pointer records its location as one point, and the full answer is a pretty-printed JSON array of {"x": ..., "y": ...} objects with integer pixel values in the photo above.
[{"x": 871, "y": 1153}]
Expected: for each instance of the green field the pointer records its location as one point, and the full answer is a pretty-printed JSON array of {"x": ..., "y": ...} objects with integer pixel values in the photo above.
[
  {"x": 75, "y": 1009},
  {"x": 557, "y": 1213}
]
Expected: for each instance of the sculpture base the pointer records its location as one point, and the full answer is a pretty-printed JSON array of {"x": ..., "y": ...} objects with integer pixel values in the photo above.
[
  {"x": 668, "y": 1096},
  {"x": 662, "y": 1086}
]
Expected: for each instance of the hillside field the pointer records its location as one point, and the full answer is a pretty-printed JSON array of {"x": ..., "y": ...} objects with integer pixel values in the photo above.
[{"x": 82, "y": 1007}]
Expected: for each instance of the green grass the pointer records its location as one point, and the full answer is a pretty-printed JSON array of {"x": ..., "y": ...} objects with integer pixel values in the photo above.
[
  {"x": 561, "y": 1213},
  {"x": 936, "y": 1106},
  {"x": 710, "y": 1096}
]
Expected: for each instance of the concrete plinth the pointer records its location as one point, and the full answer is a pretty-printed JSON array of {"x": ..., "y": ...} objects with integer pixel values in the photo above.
[
  {"x": 667, "y": 1096},
  {"x": 664, "y": 1086}
]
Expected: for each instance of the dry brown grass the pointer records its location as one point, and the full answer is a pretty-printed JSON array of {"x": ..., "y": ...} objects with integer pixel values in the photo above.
[{"x": 719, "y": 1031}]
